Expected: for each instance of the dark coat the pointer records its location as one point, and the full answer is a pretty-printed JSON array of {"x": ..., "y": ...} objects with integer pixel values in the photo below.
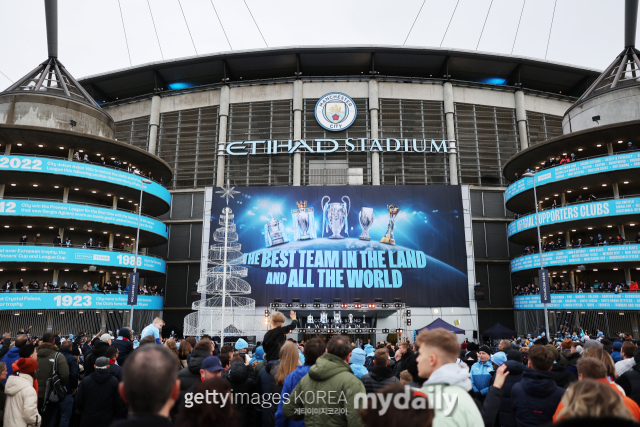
[
  {"x": 403, "y": 363},
  {"x": 97, "y": 399},
  {"x": 190, "y": 375},
  {"x": 74, "y": 372},
  {"x": 264, "y": 388},
  {"x": 506, "y": 415},
  {"x": 125, "y": 348},
  {"x": 535, "y": 398},
  {"x": 99, "y": 350},
  {"x": 274, "y": 339},
  {"x": 630, "y": 381},
  {"x": 573, "y": 363},
  {"x": 378, "y": 377},
  {"x": 240, "y": 378},
  {"x": 116, "y": 371},
  {"x": 562, "y": 376}
]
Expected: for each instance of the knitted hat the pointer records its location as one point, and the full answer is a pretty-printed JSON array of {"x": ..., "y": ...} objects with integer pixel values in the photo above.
[
  {"x": 25, "y": 365},
  {"x": 499, "y": 358},
  {"x": 514, "y": 355},
  {"x": 485, "y": 348},
  {"x": 241, "y": 344},
  {"x": 124, "y": 332}
]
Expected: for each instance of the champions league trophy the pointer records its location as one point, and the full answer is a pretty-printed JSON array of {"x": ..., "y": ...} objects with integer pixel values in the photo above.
[
  {"x": 334, "y": 216},
  {"x": 323, "y": 317},
  {"x": 366, "y": 220},
  {"x": 274, "y": 233},
  {"x": 304, "y": 225},
  {"x": 393, "y": 213}
]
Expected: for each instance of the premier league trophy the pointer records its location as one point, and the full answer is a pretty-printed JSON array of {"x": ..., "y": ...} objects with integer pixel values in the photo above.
[
  {"x": 393, "y": 213},
  {"x": 334, "y": 216},
  {"x": 366, "y": 220},
  {"x": 304, "y": 225},
  {"x": 274, "y": 233}
]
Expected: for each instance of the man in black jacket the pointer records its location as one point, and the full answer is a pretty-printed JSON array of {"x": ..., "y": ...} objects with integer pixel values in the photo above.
[
  {"x": 402, "y": 361},
  {"x": 191, "y": 374},
  {"x": 114, "y": 369},
  {"x": 65, "y": 408},
  {"x": 240, "y": 377},
  {"x": 630, "y": 380},
  {"x": 100, "y": 347},
  {"x": 97, "y": 398},
  {"x": 124, "y": 345},
  {"x": 380, "y": 374}
]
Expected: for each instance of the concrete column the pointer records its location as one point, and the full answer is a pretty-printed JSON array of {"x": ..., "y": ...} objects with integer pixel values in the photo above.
[
  {"x": 521, "y": 118},
  {"x": 61, "y": 233},
  {"x": 449, "y": 112},
  {"x": 222, "y": 134},
  {"x": 297, "y": 131},
  {"x": 107, "y": 276},
  {"x": 70, "y": 154},
  {"x": 373, "y": 113},
  {"x": 609, "y": 148},
  {"x": 65, "y": 195},
  {"x": 2, "y": 191},
  {"x": 56, "y": 274},
  {"x": 621, "y": 230},
  {"x": 572, "y": 279},
  {"x": 567, "y": 238},
  {"x": 7, "y": 149},
  {"x": 111, "y": 238},
  {"x": 616, "y": 190},
  {"x": 115, "y": 202},
  {"x": 563, "y": 199},
  {"x": 627, "y": 275},
  {"x": 154, "y": 122}
]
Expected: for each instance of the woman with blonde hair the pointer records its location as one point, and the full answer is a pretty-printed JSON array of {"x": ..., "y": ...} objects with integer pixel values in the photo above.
[
  {"x": 289, "y": 361},
  {"x": 592, "y": 399},
  {"x": 171, "y": 345},
  {"x": 603, "y": 355}
]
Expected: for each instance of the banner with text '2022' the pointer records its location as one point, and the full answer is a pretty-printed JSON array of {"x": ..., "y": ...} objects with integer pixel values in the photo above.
[{"x": 352, "y": 242}]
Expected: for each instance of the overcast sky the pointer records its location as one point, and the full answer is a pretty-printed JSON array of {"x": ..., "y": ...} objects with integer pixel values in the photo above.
[{"x": 586, "y": 33}]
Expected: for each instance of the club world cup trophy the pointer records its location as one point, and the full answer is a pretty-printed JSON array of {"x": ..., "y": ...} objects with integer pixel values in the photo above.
[
  {"x": 393, "y": 213},
  {"x": 334, "y": 216},
  {"x": 304, "y": 225},
  {"x": 274, "y": 233},
  {"x": 366, "y": 221}
]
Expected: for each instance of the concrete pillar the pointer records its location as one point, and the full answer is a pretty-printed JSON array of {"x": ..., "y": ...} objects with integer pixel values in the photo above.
[
  {"x": 115, "y": 202},
  {"x": 70, "y": 154},
  {"x": 154, "y": 122},
  {"x": 2, "y": 191},
  {"x": 572, "y": 279},
  {"x": 61, "y": 233},
  {"x": 521, "y": 118},
  {"x": 627, "y": 275},
  {"x": 56, "y": 274},
  {"x": 609, "y": 148},
  {"x": 567, "y": 238},
  {"x": 621, "y": 230},
  {"x": 616, "y": 190},
  {"x": 563, "y": 199},
  {"x": 449, "y": 112},
  {"x": 7, "y": 149},
  {"x": 107, "y": 276},
  {"x": 111, "y": 238},
  {"x": 297, "y": 131},
  {"x": 222, "y": 134},
  {"x": 65, "y": 195},
  {"x": 373, "y": 114}
]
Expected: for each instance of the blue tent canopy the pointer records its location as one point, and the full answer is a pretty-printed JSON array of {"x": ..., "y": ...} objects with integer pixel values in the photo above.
[{"x": 439, "y": 323}]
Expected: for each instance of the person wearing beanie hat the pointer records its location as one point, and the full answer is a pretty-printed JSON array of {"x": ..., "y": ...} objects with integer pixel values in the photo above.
[
  {"x": 592, "y": 343},
  {"x": 124, "y": 345},
  {"x": 357, "y": 362},
  {"x": 515, "y": 368},
  {"x": 561, "y": 375},
  {"x": 242, "y": 347},
  {"x": 615, "y": 354},
  {"x": 498, "y": 359},
  {"x": 241, "y": 344},
  {"x": 97, "y": 397},
  {"x": 21, "y": 405},
  {"x": 480, "y": 373}
]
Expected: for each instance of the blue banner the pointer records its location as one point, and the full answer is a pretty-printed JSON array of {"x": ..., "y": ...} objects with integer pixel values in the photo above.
[
  {"x": 545, "y": 289},
  {"x": 576, "y": 212},
  {"x": 48, "y": 254},
  {"x": 592, "y": 254},
  {"x": 601, "y": 301},
  {"x": 74, "y": 301},
  {"x": 132, "y": 294},
  {"x": 615, "y": 162},
  {"x": 46, "y": 209},
  {"x": 352, "y": 242},
  {"x": 81, "y": 170}
]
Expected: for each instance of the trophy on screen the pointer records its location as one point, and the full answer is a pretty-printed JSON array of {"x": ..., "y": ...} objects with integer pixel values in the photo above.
[
  {"x": 323, "y": 317},
  {"x": 304, "y": 225},
  {"x": 388, "y": 236},
  {"x": 274, "y": 233},
  {"x": 310, "y": 318},
  {"x": 366, "y": 221},
  {"x": 334, "y": 217},
  {"x": 337, "y": 318},
  {"x": 350, "y": 318}
]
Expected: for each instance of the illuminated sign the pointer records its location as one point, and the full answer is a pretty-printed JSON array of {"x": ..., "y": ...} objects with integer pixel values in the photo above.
[
  {"x": 603, "y": 301},
  {"x": 74, "y": 301},
  {"x": 592, "y": 254}
]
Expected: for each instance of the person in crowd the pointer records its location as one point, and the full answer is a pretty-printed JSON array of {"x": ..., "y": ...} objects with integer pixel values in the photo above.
[
  {"x": 57, "y": 241},
  {"x": 21, "y": 389},
  {"x": 565, "y": 352},
  {"x": 23, "y": 239},
  {"x": 85, "y": 158},
  {"x": 153, "y": 329},
  {"x": 357, "y": 362},
  {"x": 183, "y": 353},
  {"x": 627, "y": 351},
  {"x": 481, "y": 373},
  {"x": 405, "y": 378},
  {"x": 99, "y": 349},
  {"x": 331, "y": 373},
  {"x": 14, "y": 354},
  {"x": 37, "y": 240},
  {"x": 191, "y": 374},
  {"x": 242, "y": 347},
  {"x": 102, "y": 162},
  {"x": 124, "y": 345},
  {"x": 242, "y": 382},
  {"x": 536, "y": 396},
  {"x": 589, "y": 398},
  {"x": 289, "y": 361},
  {"x": 561, "y": 375},
  {"x": 150, "y": 386},
  {"x": 201, "y": 414},
  {"x": 380, "y": 374},
  {"x": 170, "y": 344},
  {"x": 275, "y": 337},
  {"x": 514, "y": 369},
  {"x": 602, "y": 355},
  {"x": 630, "y": 380},
  {"x": 410, "y": 416},
  {"x": 114, "y": 369},
  {"x": 631, "y": 146},
  {"x": 257, "y": 361},
  {"x": 402, "y": 361},
  {"x": 65, "y": 407},
  {"x": 48, "y": 355},
  {"x": 97, "y": 397}
]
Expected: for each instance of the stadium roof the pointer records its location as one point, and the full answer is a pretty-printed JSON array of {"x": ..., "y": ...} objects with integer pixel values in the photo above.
[{"x": 340, "y": 61}]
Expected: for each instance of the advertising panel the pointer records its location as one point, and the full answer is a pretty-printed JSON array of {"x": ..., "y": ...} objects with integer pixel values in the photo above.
[
  {"x": 48, "y": 254},
  {"x": 46, "y": 209},
  {"x": 74, "y": 301},
  {"x": 577, "y": 212},
  {"x": 627, "y": 160},
  {"x": 593, "y": 254},
  {"x": 81, "y": 170},
  {"x": 604, "y": 301},
  {"x": 352, "y": 242}
]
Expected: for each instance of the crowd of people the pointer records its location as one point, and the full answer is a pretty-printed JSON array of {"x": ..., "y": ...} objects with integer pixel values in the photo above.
[
  {"x": 122, "y": 381},
  {"x": 580, "y": 287},
  {"x": 117, "y": 163},
  {"x": 89, "y": 244},
  {"x": 106, "y": 288}
]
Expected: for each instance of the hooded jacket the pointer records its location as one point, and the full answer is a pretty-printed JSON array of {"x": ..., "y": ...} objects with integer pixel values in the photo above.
[
  {"x": 191, "y": 374},
  {"x": 562, "y": 376},
  {"x": 8, "y": 359},
  {"x": 21, "y": 407},
  {"x": 97, "y": 399},
  {"x": 481, "y": 376},
  {"x": 125, "y": 347},
  {"x": 357, "y": 363},
  {"x": 329, "y": 374},
  {"x": 242, "y": 384},
  {"x": 378, "y": 377},
  {"x": 403, "y": 363},
  {"x": 535, "y": 398},
  {"x": 99, "y": 350},
  {"x": 257, "y": 356},
  {"x": 455, "y": 382},
  {"x": 74, "y": 373},
  {"x": 630, "y": 380},
  {"x": 290, "y": 383},
  {"x": 46, "y": 352},
  {"x": 506, "y": 415}
]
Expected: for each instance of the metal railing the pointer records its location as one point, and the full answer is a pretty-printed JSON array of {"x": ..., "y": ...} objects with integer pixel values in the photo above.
[{"x": 577, "y": 203}]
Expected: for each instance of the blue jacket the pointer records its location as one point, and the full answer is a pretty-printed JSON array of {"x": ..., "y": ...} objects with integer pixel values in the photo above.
[
  {"x": 9, "y": 358},
  {"x": 290, "y": 382},
  {"x": 74, "y": 372},
  {"x": 358, "y": 370},
  {"x": 616, "y": 356},
  {"x": 535, "y": 398},
  {"x": 481, "y": 376},
  {"x": 257, "y": 356}
]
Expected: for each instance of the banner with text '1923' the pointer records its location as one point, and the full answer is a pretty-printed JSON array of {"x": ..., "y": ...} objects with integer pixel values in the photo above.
[{"x": 352, "y": 242}]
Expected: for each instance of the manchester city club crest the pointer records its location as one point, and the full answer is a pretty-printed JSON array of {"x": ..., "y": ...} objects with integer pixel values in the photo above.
[{"x": 335, "y": 111}]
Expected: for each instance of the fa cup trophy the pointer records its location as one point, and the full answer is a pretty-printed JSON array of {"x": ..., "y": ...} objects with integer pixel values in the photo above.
[
  {"x": 304, "y": 226},
  {"x": 366, "y": 221},
  {"x": 334, "y": 216},
  {"x": 393, "y": 213},
  {"x": 274, "y": 233}
]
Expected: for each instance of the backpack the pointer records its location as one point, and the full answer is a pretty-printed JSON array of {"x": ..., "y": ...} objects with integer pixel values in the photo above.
[{"x": 55, "y": 391}]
